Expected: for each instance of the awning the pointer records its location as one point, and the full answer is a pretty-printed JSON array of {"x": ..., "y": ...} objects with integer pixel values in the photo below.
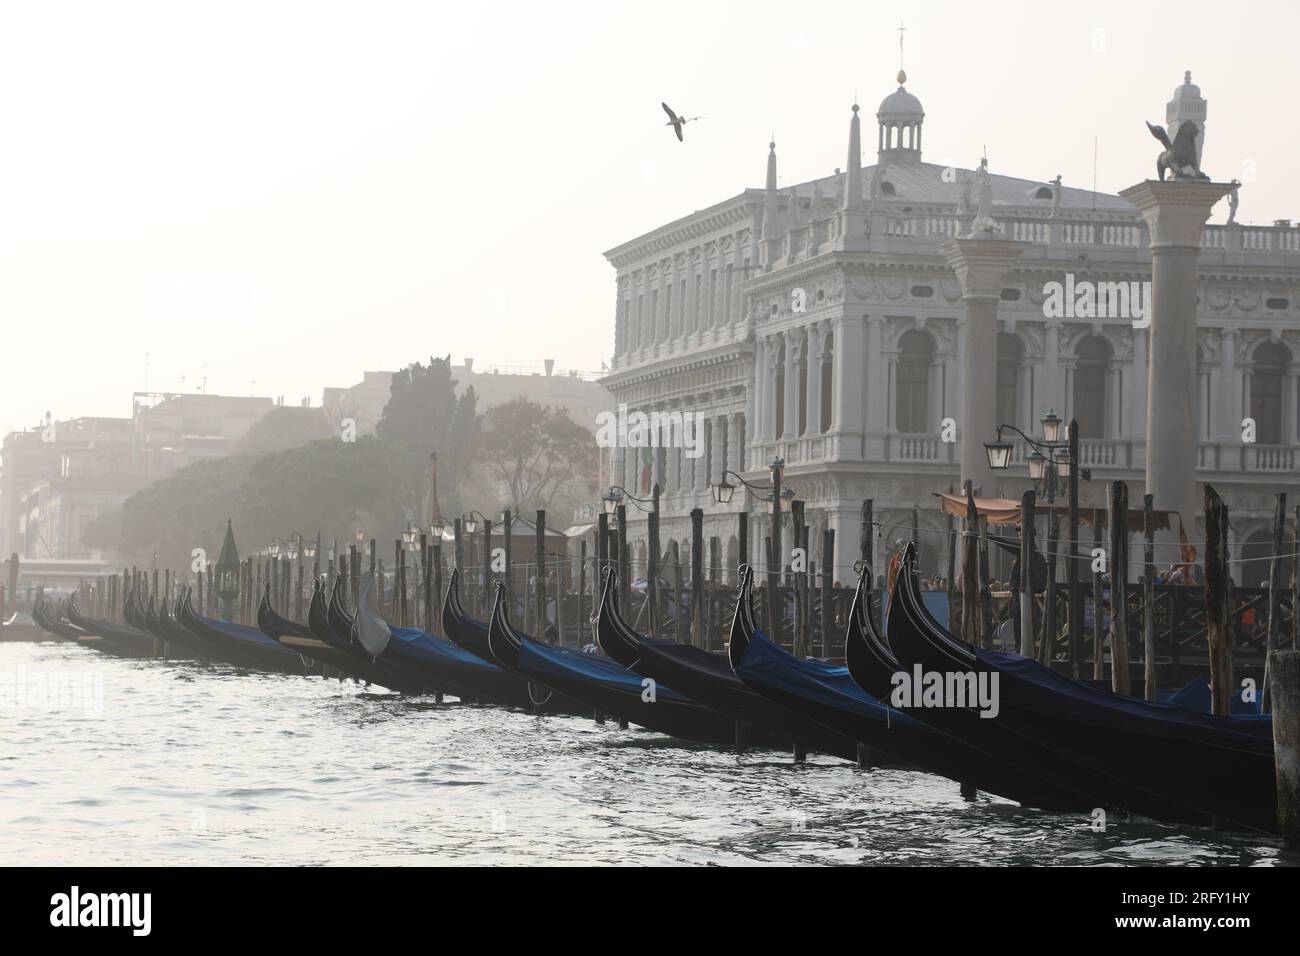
[{"x": 1007, "y": 511}]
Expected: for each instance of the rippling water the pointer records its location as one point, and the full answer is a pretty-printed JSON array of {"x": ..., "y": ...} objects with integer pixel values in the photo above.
[{"x": 106, "y": 761}]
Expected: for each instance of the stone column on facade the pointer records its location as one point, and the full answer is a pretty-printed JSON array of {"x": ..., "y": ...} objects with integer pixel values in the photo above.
[
  {"x": 703, "y": 469},
  {"x": 791, "y": 410},
  {"x": 688, "y": 320},
  {"x": 981, "y": 265},
  {"x": 1053, "y": 396},
  {"x": 876, "y": 397},
  {"x": 717, "y": 448},
  {"x": 736, "y": 441},
  {"x": 758, "y": 389},
  {"x": 1136, "y": 397},
  {"x": 771, "y": 360},
  {"x": 1175, "y": 214},
  {"x": 813, "y": 363}
]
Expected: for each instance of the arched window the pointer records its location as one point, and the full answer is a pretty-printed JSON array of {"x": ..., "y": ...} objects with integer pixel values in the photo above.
[
  {"x": 1266, "y": 381},
  {"x": 1092, "y": 357},
  {"x": 1010, "y": 352},
  {"x": 912, "y": 392}
]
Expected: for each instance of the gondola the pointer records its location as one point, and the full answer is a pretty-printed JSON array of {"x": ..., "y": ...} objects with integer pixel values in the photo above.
[
  {"x": 234, "y": 642},
  {"x": 827, "y": 693},
  {"x": 440, "y": 661},
  {"x": 605, "y": 686},
  {"x": 53, "y": 624},
  {"x": 472, "y": 635},
  {"x": 117, "y": 639},
  {"x": 872, "y": 666},
  {"x": 337, "y": 661},
  {"x": 154, "y": 619},
  {"x": 360, "y": 665},
  {"x": 708, "y": 679},
  {"x": 1156, "y": 759}
]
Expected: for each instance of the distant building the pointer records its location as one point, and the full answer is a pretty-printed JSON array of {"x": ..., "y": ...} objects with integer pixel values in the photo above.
[
  {"x": 58, "y": 478},
  {"x": 576, "y": 392}
]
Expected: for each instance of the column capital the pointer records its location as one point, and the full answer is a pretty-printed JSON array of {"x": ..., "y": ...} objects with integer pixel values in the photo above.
[
  {"x": 981, "y": 264},
  {"x": 1176, "y": 210}
]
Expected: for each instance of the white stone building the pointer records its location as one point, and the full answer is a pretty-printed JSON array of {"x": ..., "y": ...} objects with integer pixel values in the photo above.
[{"x": 820, "y": 324}]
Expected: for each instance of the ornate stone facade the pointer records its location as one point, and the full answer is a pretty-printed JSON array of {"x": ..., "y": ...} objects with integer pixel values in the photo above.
[{"x": 822, "y": 325}]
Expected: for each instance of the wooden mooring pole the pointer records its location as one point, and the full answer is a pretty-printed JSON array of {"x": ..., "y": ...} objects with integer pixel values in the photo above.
[
  {"x": 1148, "y": 597},
  {"x": 1275, "y": 634},
  {"x": 1026, "y": 582},
  {"x": 1120, "y": 679},
  {"x": 970, "y": 609},
  {"x": 1218, "y": 632},
  {"x": 697, "y": 577},
  {"x": 1284, "y": 684}
]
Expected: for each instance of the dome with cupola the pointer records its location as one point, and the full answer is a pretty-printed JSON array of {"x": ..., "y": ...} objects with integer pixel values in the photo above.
[{"x": 899, "y": 120}]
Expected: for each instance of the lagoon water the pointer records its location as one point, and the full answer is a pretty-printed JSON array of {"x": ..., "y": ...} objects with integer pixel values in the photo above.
[{"x": 106, "y": 761}]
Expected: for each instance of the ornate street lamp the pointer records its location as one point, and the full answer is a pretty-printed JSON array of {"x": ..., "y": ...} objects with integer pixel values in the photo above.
[
  {"x": 1051, "y": 461},
  {"x": 999, "y": 453},
  {"x": 411, "y": 537},
  {"x": 1037, "y": 465},
  {"x": 1051, "y": 428},
  {"x": 617, "y": 495}
]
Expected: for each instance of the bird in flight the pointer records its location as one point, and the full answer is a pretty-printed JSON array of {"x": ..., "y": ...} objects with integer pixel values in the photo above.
[{"x": 677, "y": 122}]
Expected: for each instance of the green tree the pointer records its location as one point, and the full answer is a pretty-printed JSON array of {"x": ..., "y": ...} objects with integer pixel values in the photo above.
[
  {"x": 536, "y": 452},
  {"x": 425, "y": 416},
  {"x": 328, "y": 486},
  {"x": 285, "y": 427}
]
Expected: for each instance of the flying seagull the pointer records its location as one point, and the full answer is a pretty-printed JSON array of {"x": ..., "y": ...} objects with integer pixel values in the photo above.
[{"x": 677, "y": 122}]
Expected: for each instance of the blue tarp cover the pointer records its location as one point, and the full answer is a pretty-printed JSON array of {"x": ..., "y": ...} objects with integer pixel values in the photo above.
[
  {"x": 415, "y": 644},
  {"x": 544, "y": 659},
  {"x": 770, "y": 665}
]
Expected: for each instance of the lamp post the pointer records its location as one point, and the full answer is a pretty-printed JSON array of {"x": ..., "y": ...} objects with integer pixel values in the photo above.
[
  {"x": 1054, "y": 459},
  {"x": 782, "y": 502},
  {"x": 471, "y": 524},
  {"x": 617, "y": 495}
]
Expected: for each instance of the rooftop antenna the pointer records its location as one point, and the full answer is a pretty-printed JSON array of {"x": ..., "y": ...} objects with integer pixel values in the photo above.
[
  {"x": 205, "y": 378},
  {"x": 146, "y": 372},
  {"x": 901, "y": 30}
]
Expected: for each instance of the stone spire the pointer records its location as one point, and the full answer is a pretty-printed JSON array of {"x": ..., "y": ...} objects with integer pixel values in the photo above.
[
  {"x": 852, "y": 214},
  {"x": 796, "y": 211},
  {"x": 853, "y": 172},
  {"x": 770, "y": 197}
]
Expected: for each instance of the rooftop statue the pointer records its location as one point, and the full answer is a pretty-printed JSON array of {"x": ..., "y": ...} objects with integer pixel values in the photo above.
[
  {"x": 984, "y": 197},
  {"x": 1180, "y": 155}
]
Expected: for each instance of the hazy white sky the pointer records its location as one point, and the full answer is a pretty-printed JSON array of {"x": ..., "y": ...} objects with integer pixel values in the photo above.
[{"x": 290, "y": 193}]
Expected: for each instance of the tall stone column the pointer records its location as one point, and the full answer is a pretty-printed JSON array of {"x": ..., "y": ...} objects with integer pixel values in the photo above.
[
  {"x": 1175, "y": 214},
  {"x": 981, "y": 264}
]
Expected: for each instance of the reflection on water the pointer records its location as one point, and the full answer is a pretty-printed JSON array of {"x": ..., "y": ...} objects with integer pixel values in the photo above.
[{"x": 187, "y": 764}]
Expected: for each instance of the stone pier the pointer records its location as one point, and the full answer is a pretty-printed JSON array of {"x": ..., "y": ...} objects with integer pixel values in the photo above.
[{"x": 981, "y": 264}]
